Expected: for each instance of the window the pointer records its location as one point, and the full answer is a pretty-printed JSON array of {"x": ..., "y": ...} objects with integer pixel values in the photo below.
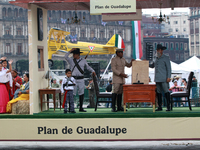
[
  {"x": 82, "y": 34},
  {"x": 177, "y": 46},
  {"x": 9, "y": 12},
  {"x": 176, "y": 29},
  {"x": 184, "y": 29},
  {"x": 161, "y": 43},
  {"x": 16, "y": 12},
  {"x": 191, "y": 25},
  {"x": 181, "y": 57},
  {"x": 40, "y": 58},
  {"x": 19, "y": 49},
  {"x": 184, "y": 22},
  {"x": 170, "y": 30},
  {"x": 8, "y": 50},
  {"x": 20, "y": 12},
  {"x": 172, "y": 46},
  {"x": 197, "y": 38},
  {"x": 177, "y": 56},
  {"x": 101, "y": 34},
  {"x": 199, "y": 12},
  {"x": 195, "y": 12},
  {"x": 167, "y": 45},
  {"x": 92, "y": 34},
  {"x": 192, "y": 38},
  {"x": 196, "y": 23},
  {"x": 175, "y": 22},
  {"x": 110, "y": 34},
  {"x": 19, "y": 31},
  {"x": 181, "y": 46},
  {"x": 185, "y": 46},
  {"x": 120, "y": 33},
  {"x": 4, "y": 12}
]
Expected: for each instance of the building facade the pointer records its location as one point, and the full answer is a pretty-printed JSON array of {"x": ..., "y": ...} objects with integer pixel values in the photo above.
[
  {"x": 177, "y": 48},
  {"x": 14, "y": 27},
  {"x": 194, "y": 31},
  {"x": 178, "y": 25}
]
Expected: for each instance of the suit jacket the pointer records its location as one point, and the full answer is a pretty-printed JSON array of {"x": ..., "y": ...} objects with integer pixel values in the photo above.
[{"x": 117, "y": 66}]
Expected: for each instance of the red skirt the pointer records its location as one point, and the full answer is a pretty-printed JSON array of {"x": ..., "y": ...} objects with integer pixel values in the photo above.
[
  {"x": 4, "y": 98},
  {"x": 9, "y": 90}
]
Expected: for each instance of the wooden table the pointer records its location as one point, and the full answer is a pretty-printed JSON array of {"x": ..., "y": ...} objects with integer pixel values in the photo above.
[
  {"x": 136, "y": 93},
  {"x": 49, "y": 91}
]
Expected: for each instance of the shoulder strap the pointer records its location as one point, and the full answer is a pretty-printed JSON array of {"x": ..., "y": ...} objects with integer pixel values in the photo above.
[{"x": 77, "y": 65}]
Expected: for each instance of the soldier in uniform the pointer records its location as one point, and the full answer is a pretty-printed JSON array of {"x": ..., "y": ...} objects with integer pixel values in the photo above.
[
  {"x": 117, "y": 65},
  {"x": 162, "y": 66},
  {"x": 77, "y": 65},
  {"x": 90, "y": 88}
]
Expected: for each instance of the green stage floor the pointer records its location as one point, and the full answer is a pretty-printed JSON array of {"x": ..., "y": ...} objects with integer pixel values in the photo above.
[{"x": 106, "y": 113}]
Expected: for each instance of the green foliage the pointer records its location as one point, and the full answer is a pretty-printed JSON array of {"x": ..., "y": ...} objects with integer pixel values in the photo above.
[
  {"x": 58, "y": 64},
  {"x": 22, "y": 65}
]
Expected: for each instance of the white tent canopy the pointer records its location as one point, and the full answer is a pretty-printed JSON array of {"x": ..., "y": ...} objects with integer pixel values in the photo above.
[{"x": 193, "y": 64}]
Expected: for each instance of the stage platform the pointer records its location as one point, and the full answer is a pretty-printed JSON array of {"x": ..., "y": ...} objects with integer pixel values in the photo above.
[{"x": 106, "y": 113}]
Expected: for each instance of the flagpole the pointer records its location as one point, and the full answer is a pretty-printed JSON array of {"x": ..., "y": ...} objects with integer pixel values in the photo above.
[{"x": 107, "y": 67}]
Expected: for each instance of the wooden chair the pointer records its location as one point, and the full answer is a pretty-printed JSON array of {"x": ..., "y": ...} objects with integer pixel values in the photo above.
[
  {"x": 185, "y": 94},
  {"x": 100, "y": 94}
]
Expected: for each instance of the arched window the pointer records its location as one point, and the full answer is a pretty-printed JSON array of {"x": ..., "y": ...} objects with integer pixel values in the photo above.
[
  {"x": 9, "y": 12},
  {"x": 84, "y": 15},
  {"x": 20, "y": 12},
  {"x": 69, "y": 15},
  {"x": 4, "y": 12},
  {"x": 58, "y": 14},
  {"x": 80, "y": 16},
  {"x": 64, "y": 15},
  {"x": 16, "y": 12},
  {"x": 53, "y": 14}
]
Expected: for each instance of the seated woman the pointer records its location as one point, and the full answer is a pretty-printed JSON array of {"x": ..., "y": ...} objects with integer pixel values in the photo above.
[{"x": 20, "y": 94}]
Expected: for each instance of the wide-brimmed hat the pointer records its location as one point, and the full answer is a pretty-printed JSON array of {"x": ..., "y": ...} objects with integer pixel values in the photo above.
[
  {"x": 159, "y": 46},
  {"x": 119, "y": 49},
  {"x": 76, "y": 51},
  {"x": 177, "y": 76}
]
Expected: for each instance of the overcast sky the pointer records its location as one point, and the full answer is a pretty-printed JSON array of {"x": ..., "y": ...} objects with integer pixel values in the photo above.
[{"x": 166, "y": 11}]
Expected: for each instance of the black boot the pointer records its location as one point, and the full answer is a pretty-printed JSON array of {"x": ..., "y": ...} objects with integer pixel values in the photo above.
[
  {"x": 119, "y": 103},
  {"x": 81, "y": 103},
  {"x": 159, "y": 96},
  {"x": 113, "y": 102},
  {"x": 167, "y": 96}
]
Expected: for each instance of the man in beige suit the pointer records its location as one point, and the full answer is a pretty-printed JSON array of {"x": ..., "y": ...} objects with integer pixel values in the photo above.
[{"x": 117, "y": 64}]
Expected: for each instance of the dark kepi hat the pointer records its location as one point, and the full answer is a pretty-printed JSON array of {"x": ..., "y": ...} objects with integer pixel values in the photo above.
[
  {"x": 76, "y": 51},
  {"x": 159, "y": 46}
]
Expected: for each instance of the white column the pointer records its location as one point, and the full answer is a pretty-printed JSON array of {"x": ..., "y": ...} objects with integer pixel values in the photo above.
[
  {"x": 23, "y": 30},
  {"x": 79, "y": 32},
  {"x": 96, "y": 32},
  {"x": 123, "y": 34},
  {"x": 12, "y": 30},
  {"x": 105, "y": 33},
  {"x": 14, "y": 33},
  {"x": 86, "y": 34},
  {"x": 3, "y": 48}
]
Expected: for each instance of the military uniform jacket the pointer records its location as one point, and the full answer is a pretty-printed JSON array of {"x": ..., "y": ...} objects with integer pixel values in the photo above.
[
  {"x": 162, "y": 68},
  {"x": 117, "y": 66},
  {"x": 91, "y": 89},
  {"x": 82, "y": 64}
]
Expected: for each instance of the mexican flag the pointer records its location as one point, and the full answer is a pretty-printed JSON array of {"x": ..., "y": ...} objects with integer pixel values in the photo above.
[
  {"x": 137, "y": 45},
  {"x": 119, "y": 43}
]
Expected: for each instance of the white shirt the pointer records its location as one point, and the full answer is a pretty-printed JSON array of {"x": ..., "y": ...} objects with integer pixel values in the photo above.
[
  {"x": 6, "y": 77},
  {"x": 67, "y": 87}
]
